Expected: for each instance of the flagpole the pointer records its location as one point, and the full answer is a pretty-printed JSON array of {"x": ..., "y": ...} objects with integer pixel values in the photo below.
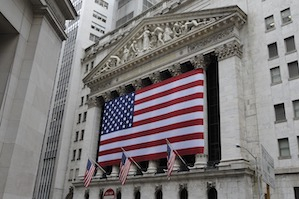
[
  {"x": 137, "y": 165},
  {"x": 177, "y": 154},
  {"x": 97, "y": 165}
]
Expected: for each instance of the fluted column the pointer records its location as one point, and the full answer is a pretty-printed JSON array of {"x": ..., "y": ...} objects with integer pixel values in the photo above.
[
  {"x": 201, "y": 159},
  {"x": 232, "y": 114}
]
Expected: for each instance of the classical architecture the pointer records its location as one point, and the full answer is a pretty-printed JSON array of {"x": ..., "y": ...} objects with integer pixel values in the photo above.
[
  {"x": 247, "y": 50},
  {"x": 31, "y": 32}
]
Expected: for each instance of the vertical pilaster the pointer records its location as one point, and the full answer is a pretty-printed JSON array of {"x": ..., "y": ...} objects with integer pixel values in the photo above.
[{"x": 231, "y": 101}]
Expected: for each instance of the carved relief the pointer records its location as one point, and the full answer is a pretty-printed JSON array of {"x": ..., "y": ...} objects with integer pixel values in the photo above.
[
  {"x": 175, "y": 70},
  {"x": 149, "y": 38},
  {"x": 230, "y": 49},
  {"x": 198, "y": 61},
  {"x": 93, "y": 102}
]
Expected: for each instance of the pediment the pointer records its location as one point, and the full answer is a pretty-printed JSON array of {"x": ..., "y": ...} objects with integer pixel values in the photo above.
[{"x": 159, "y": 34}]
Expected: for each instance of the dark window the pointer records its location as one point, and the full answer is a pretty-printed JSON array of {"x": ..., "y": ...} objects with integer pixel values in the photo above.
[
  {"x": 275, "y": 75},
  {"x": 184, "y": 194},
  {"x": 79, "y": 118},
  {"x": 296, "y": 108},
  {"x": 272, "y": 49},
  {"x": 118, "y": 195},
  {"x": 79, "y": 154},
  {"x": 214, "y": 144},
  {"x": 286, "y": 16},
  {"x": 137, "y": 194},
  {"x": 296, "y": 191},
  {"x": 159, "y": 194},
  {"x": 82, "y": 135},
  {"x": 284, "y": 149},
  {"x": 82, "y": 101},
  {"x": 269, "y": 22},
  {"x": 290, "y": 44},
  {"x": 293, "y": 69},
  {"x": 212, "y": 193},
  {"x": 76, "y": 136},
  {"x": 74, "y": 155},
  {"x": 84, "y": 116},
  {"x": 279, "y": 112}
]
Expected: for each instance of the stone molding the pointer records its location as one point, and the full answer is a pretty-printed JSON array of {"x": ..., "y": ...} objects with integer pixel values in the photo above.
[
  {"x": 227, "y": 50},
  {"x": 93, "y": 102},
  {"x": 160, "y": 35}
]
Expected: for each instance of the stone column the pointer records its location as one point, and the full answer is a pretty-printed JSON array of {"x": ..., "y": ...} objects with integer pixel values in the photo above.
[
  {"x": 232, "y": 115},
  {"x": 201, "y": 159},
  {"x": 91, "y": 134}
]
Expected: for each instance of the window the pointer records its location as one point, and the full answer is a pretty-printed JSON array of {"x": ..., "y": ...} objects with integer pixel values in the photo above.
[
  {"x": 293, "y": 69},
  {"x": 76, "y": 136},
  {"x": 118, "y": 195},
  {"x": 84, "y": 116},
  {"x": 71, "y": 174},
  {"x": 121, "y": 3},
  {"x": 79, "y": 118},
  {"x": 296, "y": 192},
  {"x": 298, "y": 145},
  {"x": 102, "y": 3},
  {"x": 82, "y": 135},
  {"x": 272, "y": 49},
  {"x": 279, "y": 112},
  {"x": 159, "y": 194},
  {"x": 79, "y": 154},
  {"x": 82, "y": 101},
  {"x": 275, "y": 75},
  {"x": 124, "y": 19},
  {"x": 93, "y": 37},
  {"x": 284, "y": 149},
  {"x": 74, "y": 155},
  {"x": 86, "y": 68},
  {"x": 137, "y": 195},
  {"x": 212, "y": 193},
  {"x": 286, "y": 16},
  {"x": 184, "y": 194},
  {"x": 296, "y": 109},
  {"x": 269, "y": 22},
  {"x": 290, "y": 44}
]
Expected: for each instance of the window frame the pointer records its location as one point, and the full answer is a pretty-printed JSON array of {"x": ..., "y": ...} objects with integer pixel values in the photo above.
[
  {"x": 296, "y": 109},
  {"x": 293, "y": 66},
  {"x": 271, "y": 25},
  {"x": 282, "y": 148},
  {"x": 290, "y": 45},
  {"x": 288, "y": 17},
  {"x": 275, "y": 76},
  {"x": 274, "y": 44},
  {"x": 280, "y": 115}
]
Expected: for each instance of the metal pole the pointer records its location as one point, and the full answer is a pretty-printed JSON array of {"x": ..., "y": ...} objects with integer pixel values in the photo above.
[{"x": 256, "y": 170}]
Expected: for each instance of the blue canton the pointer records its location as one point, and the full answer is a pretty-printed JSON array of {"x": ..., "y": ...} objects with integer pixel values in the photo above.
[{"x": 118, "y": 114}]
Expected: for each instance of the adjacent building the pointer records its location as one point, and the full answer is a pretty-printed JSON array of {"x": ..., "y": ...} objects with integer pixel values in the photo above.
[{"x": 31, "y": 38}]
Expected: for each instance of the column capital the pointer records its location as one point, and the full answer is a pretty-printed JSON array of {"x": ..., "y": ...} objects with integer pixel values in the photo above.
[
  {"x": 93, "y": 102},
  {"x": 233, "y": 48},
  {"x": 137, "y": 84},
  {"x": 175, "y": 70},
  {"x": 155, "y": 77},
  {"x": 198, "y": 61}
]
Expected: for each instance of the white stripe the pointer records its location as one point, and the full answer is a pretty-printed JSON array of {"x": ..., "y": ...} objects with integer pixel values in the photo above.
[
  {"x": 154, "y": 137},
  {"x": 158, "y": 124},
  {"x": 172, "y": 96},
  {"x": 153, "y": 150},
  {"x": 168, "y": 109},
  {"x": 170, "y": 85}
]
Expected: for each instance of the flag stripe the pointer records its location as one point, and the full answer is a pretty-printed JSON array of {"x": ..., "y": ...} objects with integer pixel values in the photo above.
[
  {"x": 172, "y": 109},
  {"x": 90, "y": 170}
]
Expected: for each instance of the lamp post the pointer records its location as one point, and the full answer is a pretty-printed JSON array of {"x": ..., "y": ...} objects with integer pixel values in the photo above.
[{"x": 256, "y": 169}]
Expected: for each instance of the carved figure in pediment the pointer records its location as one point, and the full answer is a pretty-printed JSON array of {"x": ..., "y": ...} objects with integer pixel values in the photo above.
[
  {"x": 145, "y": 36},
  {"x": 177, "y": 29},
  {"x": 159, "y": 33},
  {"x": 125, "y": 56},
  {"x": 168, "y": 34},
  {"x": 133, "y": 50},
  {"x": 189, "y": 25},
  {"x": 115, "y": 60}
]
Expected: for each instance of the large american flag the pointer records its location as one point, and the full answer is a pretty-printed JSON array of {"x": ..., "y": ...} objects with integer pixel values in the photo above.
[
  {"x": 141, "y": 122},
  {"x": 124, "y": 168},
  {"x": 90, "y": 171},
  {"x": 170, "y": 159}
]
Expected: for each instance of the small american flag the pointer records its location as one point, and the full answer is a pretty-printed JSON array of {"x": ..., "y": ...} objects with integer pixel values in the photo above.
[
  {"x": 170, "y": 159},
  {"x": 90, "y": 171},
  {"x": 124, "y": 168}
]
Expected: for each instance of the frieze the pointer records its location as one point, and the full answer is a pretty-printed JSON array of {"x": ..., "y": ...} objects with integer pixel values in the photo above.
[
  {"x": 233, "y": 48},
  {"x": 211, "y": 40}
]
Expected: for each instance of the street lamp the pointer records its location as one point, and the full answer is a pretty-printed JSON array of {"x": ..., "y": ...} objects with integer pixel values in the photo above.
[{"x": 256, "y": 169}]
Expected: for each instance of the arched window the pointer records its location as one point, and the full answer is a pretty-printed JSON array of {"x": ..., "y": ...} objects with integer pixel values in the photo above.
[
  {"x": 137, "y": 195},
  {"x": 159, "y": 194},
  {"x": 212, "y": 193},
  {"x": 184, "y": 194},
  {"x": 118, "y": 195}
]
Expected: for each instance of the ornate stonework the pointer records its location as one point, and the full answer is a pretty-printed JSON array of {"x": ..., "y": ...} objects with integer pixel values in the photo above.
[
  {"x": 233, "y": 48},
  {"x": 93, "y": 102},
  {"x": 198, "y": 61}
]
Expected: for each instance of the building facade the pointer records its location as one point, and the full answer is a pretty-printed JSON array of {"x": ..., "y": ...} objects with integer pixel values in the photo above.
[
  {"x": 247, "y": 50},
  {"x": 93, "y": 21},
  {"x": 31, "y": 38}
]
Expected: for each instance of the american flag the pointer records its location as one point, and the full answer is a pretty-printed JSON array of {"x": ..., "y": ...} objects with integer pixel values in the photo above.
[
  {"x": 124, "y": 168},
  {"x": 90, "y": 171},
  {"x": 170, "y": 159},
  {"x": 140, "y": 122}
]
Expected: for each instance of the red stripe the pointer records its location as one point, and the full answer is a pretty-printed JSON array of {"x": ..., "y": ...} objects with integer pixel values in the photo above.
[
  {"x": 156, "y": 156},
  {"x": 181, "y": 76},
  {"x": 169, "y": 115},
  {"x": 154, "y": 143},
  {"x": 154, "y": 131},
  {"x": 169, "y": 103},
  {"x": 196, "y": 83}
]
